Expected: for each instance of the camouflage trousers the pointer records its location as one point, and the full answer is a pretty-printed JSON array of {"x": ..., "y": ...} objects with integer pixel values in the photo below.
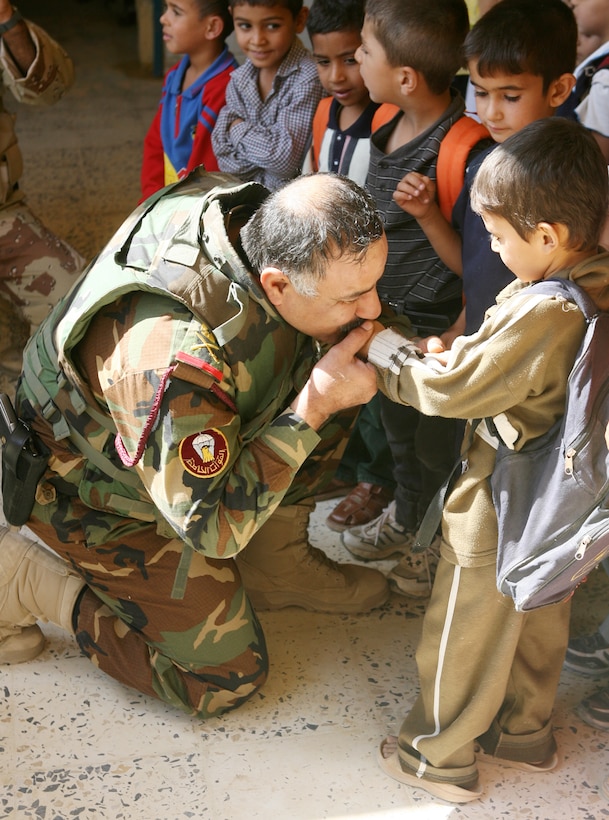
[
  {"x": 204, "y": 653},
  {"x": 36, "y": 270}
]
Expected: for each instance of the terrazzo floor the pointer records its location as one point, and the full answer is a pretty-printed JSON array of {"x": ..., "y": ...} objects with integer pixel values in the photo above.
[{"x": 76, "y": 744}]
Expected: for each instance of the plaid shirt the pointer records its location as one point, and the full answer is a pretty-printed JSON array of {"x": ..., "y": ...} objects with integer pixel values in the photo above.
[{"x": 268, "y": 146}]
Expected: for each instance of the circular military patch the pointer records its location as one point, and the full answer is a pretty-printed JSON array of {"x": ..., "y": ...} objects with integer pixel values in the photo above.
[{"x": 204, "y": 454}]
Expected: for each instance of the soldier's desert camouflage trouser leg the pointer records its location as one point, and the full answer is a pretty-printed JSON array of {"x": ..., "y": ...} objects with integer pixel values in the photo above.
[
  {"x": 205, "y": 653},
  {"x": 36, "y": 270}
]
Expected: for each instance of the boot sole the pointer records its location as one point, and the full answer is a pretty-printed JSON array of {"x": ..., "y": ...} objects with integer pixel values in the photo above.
[
  {"x": 410, "y": 593},
  {"x": 22, "y": 646},
  {"x": 379, "y": 555},
  {"x": 283, "y": 600},
  {"x": 587, "y": 672}
]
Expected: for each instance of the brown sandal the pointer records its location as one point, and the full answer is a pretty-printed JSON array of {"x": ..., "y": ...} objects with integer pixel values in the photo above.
[{"x": 364, "y": 503}]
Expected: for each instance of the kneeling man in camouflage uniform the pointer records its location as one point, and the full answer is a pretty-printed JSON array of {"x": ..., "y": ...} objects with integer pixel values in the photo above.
[{"x": 188, "y": 392}]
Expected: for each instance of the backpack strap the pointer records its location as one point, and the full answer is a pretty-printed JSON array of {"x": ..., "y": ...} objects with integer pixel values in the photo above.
[
  {"x": 454, "y": 152},
  {"x": 320, "y": 125},
  {"x": 570, "y": 290},
  {"x": 582, "y": 86},
  {"x": 382, "y": 115},
  {"x": 453, "y": 155}
]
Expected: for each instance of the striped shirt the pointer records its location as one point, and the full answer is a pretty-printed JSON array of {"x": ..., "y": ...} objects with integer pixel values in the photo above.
[
  {"x": 414, "y": 275},
  {"x": 344, "y": 152}
]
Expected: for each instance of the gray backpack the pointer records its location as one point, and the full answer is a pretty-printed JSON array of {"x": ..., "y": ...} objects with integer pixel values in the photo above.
[{"x": 552, "y": 496}]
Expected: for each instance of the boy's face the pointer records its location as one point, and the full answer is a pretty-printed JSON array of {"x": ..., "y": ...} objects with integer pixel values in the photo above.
[
  {"x": 507, "y": 102},
  {"x": 338, "y": 70},
  {"x": 526, "y": 258},
  {"x": 265, "y": 33},
  {"x": 377, "y": 74},
  {"x": 183, "y": 28},
  {"x": 592, "y": 17}
]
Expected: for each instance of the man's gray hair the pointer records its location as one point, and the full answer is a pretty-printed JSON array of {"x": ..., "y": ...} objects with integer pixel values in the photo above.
[{"x": 309, "y": 222}]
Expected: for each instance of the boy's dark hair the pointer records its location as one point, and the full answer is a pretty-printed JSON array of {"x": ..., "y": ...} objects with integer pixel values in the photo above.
[
  {"x": 218, "y": 8},
  {"x": 327, "y": 16},
  {"x": 550, "y": 171},
  {"x": 294, "y": 6},
  {"x": 517, "y": 36},
  {"x": 426, "y": 35}
]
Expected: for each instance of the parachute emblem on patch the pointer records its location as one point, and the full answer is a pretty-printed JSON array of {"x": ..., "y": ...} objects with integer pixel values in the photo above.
[{"x": 204, "y": 454}]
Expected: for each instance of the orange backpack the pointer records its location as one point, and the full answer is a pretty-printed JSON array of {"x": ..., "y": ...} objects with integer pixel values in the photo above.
[{"x": 452, "y": 157}]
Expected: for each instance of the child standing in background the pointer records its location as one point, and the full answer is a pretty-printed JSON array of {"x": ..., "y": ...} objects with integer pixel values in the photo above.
[
  {"x": 194, "y": 90},
  {"x": 520, "y": 56},
  {"x": 341, "y": 143},
  {"x": 410, "y": 52},
  {"x": 588, "y": 101},
  {"x": 262, "y": 132},
  {"x": 343, "y": 120}
]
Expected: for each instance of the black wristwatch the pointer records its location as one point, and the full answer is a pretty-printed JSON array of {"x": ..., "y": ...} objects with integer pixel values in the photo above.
[{"x": 11, "y": 22}]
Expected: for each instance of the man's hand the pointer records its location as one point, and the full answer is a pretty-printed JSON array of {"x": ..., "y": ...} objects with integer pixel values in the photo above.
[{"x": 339, "y": 380}]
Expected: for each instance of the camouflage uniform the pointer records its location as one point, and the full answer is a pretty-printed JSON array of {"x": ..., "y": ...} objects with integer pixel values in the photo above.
[
  {"x": 162, "y": 387},
  {"x": 36, "y": 267}
]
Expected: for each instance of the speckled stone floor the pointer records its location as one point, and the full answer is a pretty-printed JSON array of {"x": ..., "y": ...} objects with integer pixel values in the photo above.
[{"x": 76, "y": 744}]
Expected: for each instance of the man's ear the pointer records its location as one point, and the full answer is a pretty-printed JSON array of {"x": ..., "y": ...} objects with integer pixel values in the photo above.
[
  {"x": 560, "y": 89},
  {"x": 274, "y": 283}
]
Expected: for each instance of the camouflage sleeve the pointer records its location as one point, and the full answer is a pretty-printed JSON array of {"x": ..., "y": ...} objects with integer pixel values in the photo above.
[
  {"x": 214, "y": 476},
  {"x": 48, "y": 78}
]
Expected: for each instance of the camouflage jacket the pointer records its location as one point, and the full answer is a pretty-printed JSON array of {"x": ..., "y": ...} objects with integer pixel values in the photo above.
[
  {"x": 49, "y": 76},
  {"x": 162, "y": 383}
]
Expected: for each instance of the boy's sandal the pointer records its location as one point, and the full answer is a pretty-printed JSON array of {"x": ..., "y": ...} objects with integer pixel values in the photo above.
[
  {"x": 446, "y": 791},
  {"x": 546, "y": 765}
]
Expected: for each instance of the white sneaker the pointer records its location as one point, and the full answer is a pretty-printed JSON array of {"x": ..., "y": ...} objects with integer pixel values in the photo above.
[
  {"x": 413, "y": 575},
  {"x": 380, "y": 538}
]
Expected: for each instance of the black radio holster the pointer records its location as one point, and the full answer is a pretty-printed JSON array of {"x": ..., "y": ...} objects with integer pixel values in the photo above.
[{"x": 24, "y": 461}]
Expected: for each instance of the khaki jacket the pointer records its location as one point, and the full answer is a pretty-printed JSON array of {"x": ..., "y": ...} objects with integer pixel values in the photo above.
[{"x": 514, "y": 370}]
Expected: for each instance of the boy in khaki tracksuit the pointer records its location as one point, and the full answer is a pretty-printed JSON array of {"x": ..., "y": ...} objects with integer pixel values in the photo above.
[{"x": 488, "y": 673}]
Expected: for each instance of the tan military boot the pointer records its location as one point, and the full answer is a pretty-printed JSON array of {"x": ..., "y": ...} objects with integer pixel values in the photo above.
[
  {"x": 35, "y": 584},
  {"x": 280, "y": 568}
]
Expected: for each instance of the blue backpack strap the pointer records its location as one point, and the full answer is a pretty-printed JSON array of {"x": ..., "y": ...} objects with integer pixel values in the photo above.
[
  {"x": 570, "y": 290},
  {"x": 582, "y": 86}
]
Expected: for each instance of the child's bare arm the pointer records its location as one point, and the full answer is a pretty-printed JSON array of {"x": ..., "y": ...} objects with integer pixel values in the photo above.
[
  {"x": 456, "y": 329},
  {"x": 416, "y": 194}
]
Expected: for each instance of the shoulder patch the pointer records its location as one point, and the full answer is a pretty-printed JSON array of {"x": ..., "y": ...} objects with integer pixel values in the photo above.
[{"x": 204, "y": 454}]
